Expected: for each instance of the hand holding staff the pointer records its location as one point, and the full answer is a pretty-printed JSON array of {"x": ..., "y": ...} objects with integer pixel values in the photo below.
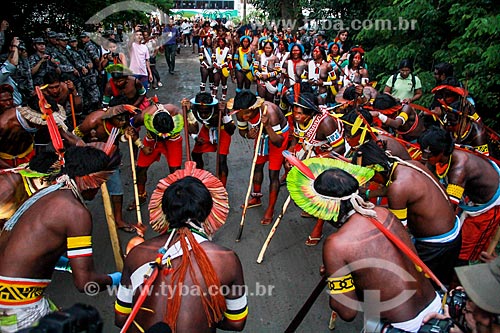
[
  {"x": 252, "y": 170},
  {"x": 140, "y": 227}
]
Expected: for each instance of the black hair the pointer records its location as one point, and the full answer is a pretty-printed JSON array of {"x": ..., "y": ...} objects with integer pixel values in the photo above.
[
  {"x": 118, "y": 100},
  {"x": 81, "y": 161},
  {"x": 337, "y": 183},
  {"x": 351, "y": 116},
  {"x": 373, "y": 154},
  {"x": 444, "y": 68},
  {"x": 384, "y": 102},
  {"x": 51, "y": 77},
  {"x": 310, "y": 102},
  {"x": 451, "y": 81},
  {"x": 406, "y": 63},
  {"x": 163, "y": 122},
  {"x": 267, "y": 42},
  {"x": 186, "y": 198},
  {"x": 437, "y": 140},
  {"x": 350, "y": 93},
  {"x": 42, "y": 161},
  {"x": 351, "y": 59},
  {"x": 204, "y": 97},
  {"x": 322, "y": 50},
  {"x": 244, "y": 99}
]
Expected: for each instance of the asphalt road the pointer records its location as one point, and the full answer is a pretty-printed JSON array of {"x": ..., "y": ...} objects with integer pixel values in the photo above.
[{"x": 277, "y": 287}]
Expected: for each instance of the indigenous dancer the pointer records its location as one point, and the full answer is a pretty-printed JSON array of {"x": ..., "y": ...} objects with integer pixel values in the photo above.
[
  {"x": 417, "y": 198},
  {"x": 320, "y": 74},
  {"x": 206, "y": 110},
  {"x": 401, "y": 117},
  {"x": 243, "y": 59},
  {"x": 354, "y": 71},
  {"x": 57, "y": 221},
  {"x": 221, "y": 63},
  {"x": 123, "y": 83},
  {"x": 18, "y": 126},
  {"x": 98, "y": 126},
  {"x": 333, "y": 195},
  {"x": 206, "y": 66},
  {"x": 253, "y": 112},
  {"x": 472, "y": 183},
  {"x": 292, "y": 71},
  {"x": 318, "y": 131},
  {"x": 186, "y": 209},
  {"x": 163, "y": 124},
  {"x": 266, "y": 66}
]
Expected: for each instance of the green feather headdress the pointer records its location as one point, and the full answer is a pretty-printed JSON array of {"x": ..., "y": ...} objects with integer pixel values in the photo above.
[
  {"x": 300, "y": 183},
  {"x": 177, "y": 119}
]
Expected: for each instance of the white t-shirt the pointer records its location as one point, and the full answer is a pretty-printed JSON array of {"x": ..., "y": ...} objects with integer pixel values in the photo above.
[
  {"x": 139, "y": 53},
  {"x": 186, "y": 28}
]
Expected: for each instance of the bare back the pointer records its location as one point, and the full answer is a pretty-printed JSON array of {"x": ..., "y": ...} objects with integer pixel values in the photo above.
[
  {"x": 359, "y": 239},
  {"x": 429, "y": 211},
  {"x": 191, "y": 317}
]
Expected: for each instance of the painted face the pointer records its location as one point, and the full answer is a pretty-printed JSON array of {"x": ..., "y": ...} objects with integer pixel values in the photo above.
[
  {"x": 6, "y": 101},
  {"x": 356, "y": 60},
  {"x": 204, "y": 111},
  {"x": 296, "y": 53},
  {"x": 120, "y": 82},
  {"x": 317, "y": 53},
  {"x": 334, "y": 49},
  {"x": 247, "y": 114},
  {"x": 120, "y": 121},
  {"x": 221, "y": 43},
  {"x": 281, "y": 47},
  {"x": 245, "y": 43},
  {"x": 299, "y": 116}
]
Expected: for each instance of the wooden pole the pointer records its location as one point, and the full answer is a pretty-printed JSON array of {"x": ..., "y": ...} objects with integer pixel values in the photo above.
[
  {"x": 250, "y": 183},
  {"x": 72, "y": 104},
  {"x": 494, "y": 242},
  {"x": 276, "y": 223},
  {"x": 217, "y": 154},
  {"x": 140, "y": 227},
  {"x": 113, "y": 234},
  {"x": 307, "y": 306},
  {"x": 186, "y": 131}
]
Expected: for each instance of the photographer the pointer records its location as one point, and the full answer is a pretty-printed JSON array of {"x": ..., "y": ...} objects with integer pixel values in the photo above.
[
  {"x": 8, "y": 68},
  {"x": 482, "y": 309}
]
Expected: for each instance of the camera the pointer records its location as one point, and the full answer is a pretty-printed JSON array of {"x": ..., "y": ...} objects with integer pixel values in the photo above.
[
  {"x": 80, "y": 318},
  {"x": 456, "y": 303},
  {"x": 436, "y": 326}
]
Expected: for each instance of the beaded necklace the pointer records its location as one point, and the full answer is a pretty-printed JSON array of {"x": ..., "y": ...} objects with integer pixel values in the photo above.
[{"x": 442, "y": 169}]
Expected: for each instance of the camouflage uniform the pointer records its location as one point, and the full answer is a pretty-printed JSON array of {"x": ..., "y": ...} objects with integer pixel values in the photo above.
[
  {"x": 90, "y": 92},
  {"x": 23, "y": 78},
  {"x": 45, "y": 68}
]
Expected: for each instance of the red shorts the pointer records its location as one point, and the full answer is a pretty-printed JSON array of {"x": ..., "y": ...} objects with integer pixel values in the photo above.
[
  {"x": 274, "y": 156},
  {"x": 207, "y": 147},
  {"x": 14, "y": 162},
  {"x": 172, "y": 150},
  {"x": 477, "y": 232}
]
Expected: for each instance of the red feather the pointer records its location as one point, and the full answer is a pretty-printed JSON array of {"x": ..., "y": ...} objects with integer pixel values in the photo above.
[
  {"x": 51, "y": 123},
  {"x": 298, "y": 163}
]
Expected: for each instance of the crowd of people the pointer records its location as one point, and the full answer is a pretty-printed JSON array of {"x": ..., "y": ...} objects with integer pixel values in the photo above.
[{"x": 413, "y": 186}]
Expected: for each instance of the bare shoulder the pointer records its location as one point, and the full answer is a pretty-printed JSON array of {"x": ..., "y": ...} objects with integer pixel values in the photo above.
[{"x": 173, "y": 109}]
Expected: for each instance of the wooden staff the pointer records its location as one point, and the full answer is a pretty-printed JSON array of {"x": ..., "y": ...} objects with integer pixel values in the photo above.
[
  {"x": 250, "y": 183},
  {"x": 140, "y": 227},
  {"x": 217, "y": 154},
  {"x": 307, "y": 306},
  {"x": 72, "y": 104},
  {"x": 494, "y": 242},
  {"x": 113, "y": 234},
  {"x": 276, "y": 223},
  {"x": 186, "y": 131}
]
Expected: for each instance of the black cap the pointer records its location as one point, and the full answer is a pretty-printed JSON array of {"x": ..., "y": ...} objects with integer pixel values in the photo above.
[
  {"x": 72, "y": 39},
  {"x": 84, "y": 34},
  {"x": 38, "y": 40},
  {"x": 62, "y": 36},
  {"x": 52, "y": 34}
]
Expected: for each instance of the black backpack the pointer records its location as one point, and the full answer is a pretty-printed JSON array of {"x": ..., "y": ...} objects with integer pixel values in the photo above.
[{"x": 395, "y": 77}]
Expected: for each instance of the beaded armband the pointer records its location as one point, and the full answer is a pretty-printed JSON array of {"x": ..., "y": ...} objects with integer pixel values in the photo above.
[
  {"x": 242, "y": 125},
  {"x": 236, "y": 309},
  {"x": 78, "y": 132},
  {"x": 403, "y": 116},
  {"x": 455, "y": 192},
  {"x": 335, "y": 139},
  {"x": 340, "y": 285}
]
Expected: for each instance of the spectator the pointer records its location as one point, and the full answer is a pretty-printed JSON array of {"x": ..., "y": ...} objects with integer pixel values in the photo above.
[
  {"x": 8, "y": 69},
  {"x": 404, "y": 85},
  {"x": 170, "y": 44},
  {"x": 139, "y": 58}
]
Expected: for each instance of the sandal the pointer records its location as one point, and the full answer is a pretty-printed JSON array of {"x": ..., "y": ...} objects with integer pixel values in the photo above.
[
  {"x": 127, "y": 228},
  {"x": 254, "y": 201},
  {"x": 313, "y": 241},
  {"x": 142, "y": 201}
]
